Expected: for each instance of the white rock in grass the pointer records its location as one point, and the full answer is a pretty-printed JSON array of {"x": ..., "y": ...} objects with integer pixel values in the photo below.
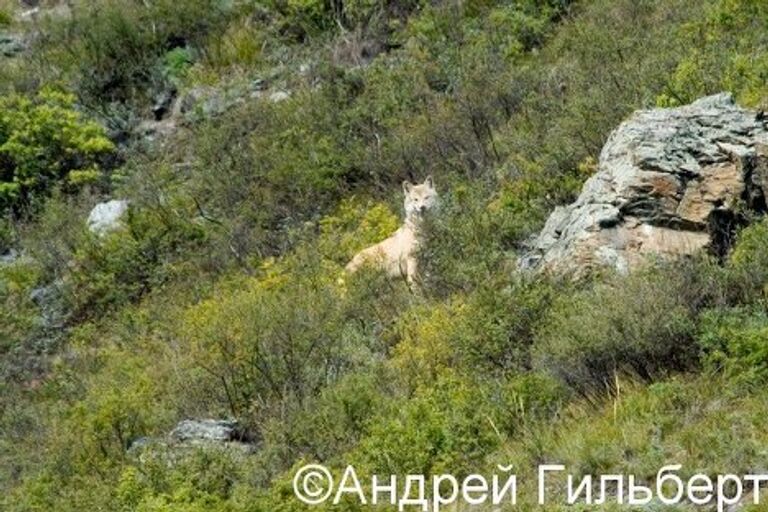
[
  {"x": 279, "y": 96},
  {"x": 107, "y": 216}
]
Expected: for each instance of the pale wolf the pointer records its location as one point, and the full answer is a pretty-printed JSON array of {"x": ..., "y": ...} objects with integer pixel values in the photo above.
[{"x": 397, "y": 254}]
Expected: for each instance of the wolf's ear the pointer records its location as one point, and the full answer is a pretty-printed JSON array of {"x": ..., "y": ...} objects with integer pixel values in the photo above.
[
  {"x": 407, "y": 186},
  {"x": 429, "y": 182}
]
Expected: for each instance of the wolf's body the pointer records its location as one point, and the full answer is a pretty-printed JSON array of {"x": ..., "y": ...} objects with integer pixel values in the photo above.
[{"x": 397, "y": 254}]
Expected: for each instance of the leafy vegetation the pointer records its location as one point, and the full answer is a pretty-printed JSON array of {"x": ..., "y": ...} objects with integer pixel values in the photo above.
[
  {"x": 223, "y": 293},
  {"x": 46, "y": 143}
]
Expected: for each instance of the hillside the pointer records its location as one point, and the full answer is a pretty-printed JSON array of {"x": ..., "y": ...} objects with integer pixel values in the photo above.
[{"x": 241, "y": 152}]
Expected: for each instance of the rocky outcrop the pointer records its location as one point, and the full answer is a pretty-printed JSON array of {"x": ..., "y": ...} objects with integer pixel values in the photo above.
[{"x": 670, "y": 182}]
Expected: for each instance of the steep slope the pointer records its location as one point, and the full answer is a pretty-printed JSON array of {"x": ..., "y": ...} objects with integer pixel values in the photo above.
[{"x": 217, "y": 298}]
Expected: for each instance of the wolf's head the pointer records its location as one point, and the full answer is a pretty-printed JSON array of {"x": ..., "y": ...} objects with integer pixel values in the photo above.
[{"x": 419, "y": 198}]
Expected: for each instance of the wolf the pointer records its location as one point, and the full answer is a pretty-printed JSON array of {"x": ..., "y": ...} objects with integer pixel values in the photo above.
[{"x": 397, "y": 254}]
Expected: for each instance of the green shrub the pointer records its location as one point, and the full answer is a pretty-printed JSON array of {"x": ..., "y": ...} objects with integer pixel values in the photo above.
[
  {"x": 96, "y": 274},
  {"x": 471, "y": 237},
  {"x": 241, "y": 47},
  {"x": 57, "y": 230},
  {"x": 307, "y": 19},
  {"x": 500, "y": 324},
  {"x": 202, "y": 479},
  {"x": 487, "y": 332},
  {"x": 735, "y": 342},
  {"x": 6, "y": 234},
  {"x": 330, "y": 425},
  {"x": 290, "y": 158},
  {"x": 114, "y": 51},
  {"x": 276, "y": 343},
  {"x": 105, "y": 412},
  {"x": 716, "y": 42},
  {"x": 176, "y": 64},
  {"x": 18, "y": 313},
  {"x": 643, "y": 324},
  {"x": 444, "y": 428},
  {"x": 747, "y": 267},
  {"x": 44, "y": 143},
  {"x": 122, "y": 266}
]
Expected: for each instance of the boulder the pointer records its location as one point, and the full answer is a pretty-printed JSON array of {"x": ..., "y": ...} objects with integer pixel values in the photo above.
[
  {"x": 197, "y": 433},
  {"x": 210, "y": 430},
  {"x": 107, "y": 216},
  {"x": 11, "y": 44},
  {"x": 278, "y": 96},
  {"x": 189, "y": 437},
  {"x": 669, "y": 182}
]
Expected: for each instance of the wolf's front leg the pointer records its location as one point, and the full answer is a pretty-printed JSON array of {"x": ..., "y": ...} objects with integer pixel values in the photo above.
[{"x": 411, "y": 274}]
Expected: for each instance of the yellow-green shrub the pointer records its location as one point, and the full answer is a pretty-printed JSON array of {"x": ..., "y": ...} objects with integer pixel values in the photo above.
[
  {"x": 353, "y": 226},
  {"x": 46, "y": 142}
]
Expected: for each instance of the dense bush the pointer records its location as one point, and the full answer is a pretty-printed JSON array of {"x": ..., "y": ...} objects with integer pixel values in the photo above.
[
  {"x": 274, "y": 345},
  {"x": 748, "y": 265},
  {"x": 443, "y": 428},
  {"x": 714, "y": 42},
  {"x": 114, "y": 51},
  {"x": 202, "y": 480},
  {"x": 474, "y": 234},
  {"x": 643, "y": 325},
  {"x": 44, "y": 143},
  {"x": 489, "y": 331},
  {"x": 333, "y": 424},
  {"x": 734, "y": 342},
  {"x": 98, "y": 273}
]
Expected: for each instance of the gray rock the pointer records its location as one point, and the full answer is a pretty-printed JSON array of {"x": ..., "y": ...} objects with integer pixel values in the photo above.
[
  {"x": 9, "y": 257},
  {"x": 51, "y": 310},
  {"x": 29, "y": 14},
  {"x": 35, "y": 14},
  {"x": 208, "y": 102},
  {"x": 139, "y": 444},
  {"x": 11, "y": 44},
  {"x": 151, "y": 131},
  {"x": 669, "y": 183},
  {"x": 188, "y": 438},
  {"x": 206, "y": 430},
  {"x": 258, "y": 84},
  {"x": 212, "y": 433},
  {"x": 41, "y": 294},
  {"x": 107, "y": 216},
  {"x": 278, "y": 96}
]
